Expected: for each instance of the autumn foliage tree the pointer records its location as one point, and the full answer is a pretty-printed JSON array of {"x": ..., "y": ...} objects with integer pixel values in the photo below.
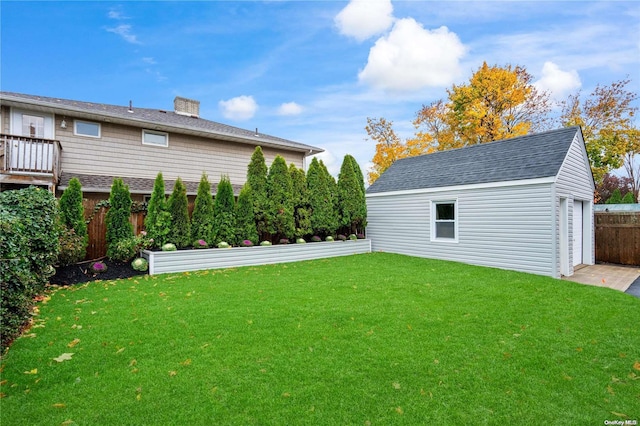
[
  {"x": 607, "y": 119},
  {"x": 496, "y": 103}
]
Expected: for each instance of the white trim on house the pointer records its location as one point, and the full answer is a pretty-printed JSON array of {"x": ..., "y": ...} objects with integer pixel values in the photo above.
[
  {"x": 86, "y": 135},
  {"x": 147, "y": 132},
  {"x": 435, "y": 221}
]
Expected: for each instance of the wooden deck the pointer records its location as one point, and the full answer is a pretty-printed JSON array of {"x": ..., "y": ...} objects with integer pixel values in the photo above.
[{"x": 29, "y": 161}]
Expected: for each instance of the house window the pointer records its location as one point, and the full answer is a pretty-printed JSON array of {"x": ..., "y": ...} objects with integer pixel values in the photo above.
[
  {"x": 151, "y": 137},
  {"x": 86, "y": 128},
  {"x": 444, "y": 225},
  {"x": 32, "y": 126}
]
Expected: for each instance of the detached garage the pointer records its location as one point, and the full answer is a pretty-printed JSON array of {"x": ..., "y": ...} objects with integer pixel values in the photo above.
[{"x": 524, "y": 204}]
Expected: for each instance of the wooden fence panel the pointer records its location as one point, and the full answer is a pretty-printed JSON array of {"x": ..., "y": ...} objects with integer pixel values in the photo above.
[
  {"x": 618, "y": 237},
  {"x": 97, "y": 228}
]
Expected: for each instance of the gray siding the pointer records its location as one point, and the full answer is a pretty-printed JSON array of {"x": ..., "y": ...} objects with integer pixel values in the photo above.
[
  {"x": 120, "y": 152},
  {"x": 509, "y": 227},
  {"x": 575, "y": 182}
]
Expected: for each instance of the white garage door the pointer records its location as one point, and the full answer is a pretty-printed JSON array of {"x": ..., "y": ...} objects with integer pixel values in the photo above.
[{"x": 577, "y": 232}]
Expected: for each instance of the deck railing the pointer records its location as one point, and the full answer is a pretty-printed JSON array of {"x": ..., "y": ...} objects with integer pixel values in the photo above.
[{"x": 21, "y": 155}]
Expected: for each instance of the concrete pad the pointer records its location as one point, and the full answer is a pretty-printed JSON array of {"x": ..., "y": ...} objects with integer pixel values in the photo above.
[{"x": 617, "y": 277}]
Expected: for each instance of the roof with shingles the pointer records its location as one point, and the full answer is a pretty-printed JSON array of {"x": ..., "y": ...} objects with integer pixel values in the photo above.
[
  {"x": 532, "y": 156},
  {"x": 102, "y": 183},
  {"x": 160, "y": 117}
]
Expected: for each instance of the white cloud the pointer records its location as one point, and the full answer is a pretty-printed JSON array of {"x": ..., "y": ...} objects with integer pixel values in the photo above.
[
  {"x": 149, "y": 60},
  {"x": 290, "y": 108},
  {"x": 362, "y": 19},
  {"x": 124, "y": 31},
  {"x": 411, "y": 58},
  {"x": 116, "y": 14},
  {"x": 560, "y": 83},
  {"x": 239, "y": 108}
]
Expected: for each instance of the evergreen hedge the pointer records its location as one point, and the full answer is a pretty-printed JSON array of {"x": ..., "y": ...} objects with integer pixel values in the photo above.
[
  {"x": 245, "y": 217},
  {"x": 280, "y": 200},
  {"x": 224, "y": 221},
  {"x": 117, "y": 218},
  {"x": 301, "y": 208},
  {"x": 157, "y": 222},
  {"x": 257, "y": 179},
  {"x": 324, "y": 221},
  {"x": 74, "y": 239},
  {"x": 178, "y": 206},
  {"x": 202, "y": 216}
]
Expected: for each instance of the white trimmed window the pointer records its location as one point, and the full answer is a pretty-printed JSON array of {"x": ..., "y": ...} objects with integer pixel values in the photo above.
[
  {"x": 86, "y": 128},
  {"x": 444, "y": 220},
  {"x": 152, "y": 137}
]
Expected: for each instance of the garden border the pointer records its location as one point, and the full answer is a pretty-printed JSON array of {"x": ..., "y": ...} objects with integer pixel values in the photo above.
[{"x": 161, "y": 262}]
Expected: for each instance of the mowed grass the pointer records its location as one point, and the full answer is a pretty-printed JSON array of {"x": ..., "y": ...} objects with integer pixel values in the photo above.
[{"x": 365, "y": 339}]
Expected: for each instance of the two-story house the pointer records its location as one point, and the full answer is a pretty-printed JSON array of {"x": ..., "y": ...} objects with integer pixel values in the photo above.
[{"x": 47, "y": 141}]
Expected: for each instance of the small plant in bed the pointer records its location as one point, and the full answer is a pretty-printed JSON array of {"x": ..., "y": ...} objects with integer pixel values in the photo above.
[{"x": 98, "y": 267}]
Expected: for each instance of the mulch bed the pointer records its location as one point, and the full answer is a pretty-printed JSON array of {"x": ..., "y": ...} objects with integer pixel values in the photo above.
[{"x": 81, "y": 272}]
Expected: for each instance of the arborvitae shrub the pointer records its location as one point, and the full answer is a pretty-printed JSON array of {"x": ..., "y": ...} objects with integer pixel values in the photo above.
[
  {"x": 280, "y": 200},
  {"x": 616, "y": 197},
  {"x": 117, "y": 218},
  {"x": 360, "y": 217},
  {"x": 72, "y": 217},
  {"x": 323, "y": 216},
  {"x": 257, "y": 179},
  {"x": 224, "y": 221},
  {"x": 245, "y": 219},
  {"x": 202, "y": 216},
  {"x": 348, "y": 197},
  {"x": 157, "y": 222},
  {"x": 301, "y": 209},
  {"x": 180, "y": 233}
]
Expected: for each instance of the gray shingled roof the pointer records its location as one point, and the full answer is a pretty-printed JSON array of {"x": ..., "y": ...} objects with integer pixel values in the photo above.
[
  {"x": 145, "y": 117},
  {"x": 102, "y": 183},
  {"x": 526, "y": 157}
]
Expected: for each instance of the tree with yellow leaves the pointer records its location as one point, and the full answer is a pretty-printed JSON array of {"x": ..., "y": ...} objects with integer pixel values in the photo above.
[
  {"x": 497, "y": 103},
  {"x": 608, "y": 128}
]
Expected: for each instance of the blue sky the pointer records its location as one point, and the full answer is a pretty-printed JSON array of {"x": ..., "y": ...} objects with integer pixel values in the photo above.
[{"x": 309, "y": 71}]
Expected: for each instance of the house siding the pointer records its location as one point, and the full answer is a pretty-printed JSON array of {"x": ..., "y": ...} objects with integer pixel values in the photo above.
[
  {"x": 509, "y": 227},
  {"x": 120, "y": 152},
  {"x": 575, "y": 183}
]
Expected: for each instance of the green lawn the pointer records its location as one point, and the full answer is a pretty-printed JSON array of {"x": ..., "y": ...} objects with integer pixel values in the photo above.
[{"x": 366, "y": 339}]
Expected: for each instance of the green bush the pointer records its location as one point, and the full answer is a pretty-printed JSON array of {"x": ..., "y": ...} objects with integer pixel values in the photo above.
[
  {"x": 245, "y": 218},
  {"x": 202, "y": 216},
  {"x": 257, "y": 180},
  {"x": 72, "y": 217},
  {"x": 117, "y": 219},
  {"x": 157, "y": 222},
  {"x": 180, "y": 233},
  {"x": 628, "y": 198},
  {"x": 29, "y": 247},
  {"x": 140, "y": 264},
  {"x": 128, "y": 248},
  {"x": 224, "y": 220},
  {"x": 300, "y": 197},
  {"x": 280, "y": 200},
  {"x": 324, "y": 219},
  {"x": 72, "y": 247}
]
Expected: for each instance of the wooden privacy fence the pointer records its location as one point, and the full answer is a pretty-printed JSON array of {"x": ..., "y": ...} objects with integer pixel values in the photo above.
[
  {"x": 97, "y": 228},
  {"x": 618, "y": 237}
]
